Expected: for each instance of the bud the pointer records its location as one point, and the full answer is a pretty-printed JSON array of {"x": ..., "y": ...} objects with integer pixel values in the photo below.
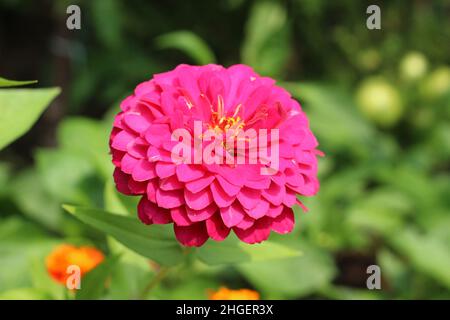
[
  {"x": 413, "y": 66},
  {"x": 379, "y": 101},
  {"x": 437, "y": 83}
]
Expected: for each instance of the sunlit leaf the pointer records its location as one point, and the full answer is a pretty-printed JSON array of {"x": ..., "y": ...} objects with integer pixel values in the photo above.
[
  {"x": 232, "y": 250},
  {"x": 292, "y": 277},
  {"x": 93, "y": 283},
  {"x": 189, "y": 43},
  {"x": 14, "y": 83},
  {"x": 266, "y": 46},
  {"x": 155, "y": 242},
  {"x": 19, "y": 109},
  {"x": 426, "y": 253}
]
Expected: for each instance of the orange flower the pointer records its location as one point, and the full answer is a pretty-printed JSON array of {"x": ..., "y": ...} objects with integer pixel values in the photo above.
[
  {"x": 86, "y": 258},
  {"x": 227, "y": 294}
]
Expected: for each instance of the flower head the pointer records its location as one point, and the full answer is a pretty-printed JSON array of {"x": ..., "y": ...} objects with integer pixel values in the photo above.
[
  {"x": 57, "y": 262},
  {"x": 250, "y": 155},
  {"x": 227, "y": 294}
]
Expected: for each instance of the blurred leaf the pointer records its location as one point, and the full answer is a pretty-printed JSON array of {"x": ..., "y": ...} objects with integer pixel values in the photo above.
[
  {"x": 25, "y": 294},
  {"x": 189, "y": 43},
  {"x": 90, "y": 139},
  {"x": 19, "y": 109},
  {"x": 266, "y": 46},
  {"x": 93, "y": 282},
  {"x": 232, "y": 250},
  {"x": 107, "y": 16},
  {"x": 13, "y": 83},
  {"x": 292, "y": 277},
  {"x": 426, "y": 253},
  {"x": 68, "y": 176},
  {"x": 154, "y": 242},
  {"x": 117, "y": 202},
  {"x": 41, "y": 280},
  {"x": 34, "y": 201},
  {"x": 21, "y": 242},
  {"x": 194, "y": 287},
  {"x": 129, "y": 277},
  {"x": 334, "y": 119},
  {"x": 347, "y": 293},
  {"x": 382, "y": 211}
]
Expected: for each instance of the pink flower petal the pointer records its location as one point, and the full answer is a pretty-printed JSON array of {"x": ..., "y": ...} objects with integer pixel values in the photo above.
[
  {"x": 191, "y": 236},
  {"x": 136, "y": 122},
  {"x": 137, "y": 187},
  {"x": 144, "y": 170},
  {"x": 157, "y": 134},
  {"x": 257, "y": 233},
  {"x": 249, "y": 198},
  {"x": 221, "y": 198},
  {"x": 246, "y": 223},
  {"x": 284, "y": 223},
  {"x": 180, "y": 217},
  {"x": 152, "y": 186},
  {"x": 216, "y": 228},
  {"x": 275, "y": 211},
  {"x": 199, "y": 184},
  {"x": 169, "y": 199},
  {"x": 232, "y": 215},
  {"x": 186, "y": 172},
  {"x": 228, "y": 187},
  {"x": 260, "y": 210},
  {"x": 121, "y": 140},
  {"x": 201, "y": 215},
  {"x": 164, "y": 170},
  {"x": 290, "y": 198},
  {"x": 121, "y": 181},
  {"x": 128, "y": 163},
  {"x": 275, "y": 194},
  {"x": 199, "y": 200},
  {"x": 171, "y": 183},
  {"x": 148, "y": 212}
]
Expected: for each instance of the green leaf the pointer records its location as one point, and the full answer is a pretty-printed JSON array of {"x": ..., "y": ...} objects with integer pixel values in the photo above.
[
  {"x": 266, "y": 46},
  {"x": 107, "y": 19},
  {"x": 34, "y": 201},
  {"x": 189, "y": 43},
  {"x": 117, "y": 202},
  {"x": 68, "y": 176},
  {"x": 19, "y": 109},
  {"x": 232, "y": 250},
  {"x": 426, "y": 253},
  {"x": 24, "y": 294},
  {"x": 13, "y": 83},
  {"x": 292, "y": 277},
  {"x": 89, "y": 138},
  {"x": 93, "y": 282},
  {"x": 335, "y": 120},
  {"x": 21, "y": 243},
  {"x": 155, "y": 242}
]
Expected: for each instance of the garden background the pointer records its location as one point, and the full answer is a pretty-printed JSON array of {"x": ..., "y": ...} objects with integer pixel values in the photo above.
[{"x": 378, "y": 102}]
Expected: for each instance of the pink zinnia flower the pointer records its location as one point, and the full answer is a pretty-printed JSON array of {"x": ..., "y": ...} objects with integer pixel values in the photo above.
[{"x": 209, "y": 200}]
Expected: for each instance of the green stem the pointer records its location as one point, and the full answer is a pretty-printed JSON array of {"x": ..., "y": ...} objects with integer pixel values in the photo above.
[{"x": 154, "y": 282}]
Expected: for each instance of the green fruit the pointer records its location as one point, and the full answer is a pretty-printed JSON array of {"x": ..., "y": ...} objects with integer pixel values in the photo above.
[
  {"x": 379, "y": 101},
  {"x": 437, "y": 83},
  {"x": 413, "y": 66}
]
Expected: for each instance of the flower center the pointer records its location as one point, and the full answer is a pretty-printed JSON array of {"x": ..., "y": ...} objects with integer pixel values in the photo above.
[{"x": 221, "y": 123}]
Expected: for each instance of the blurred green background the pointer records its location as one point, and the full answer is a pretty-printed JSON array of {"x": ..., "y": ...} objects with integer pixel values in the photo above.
[{"x": 378, "y": 101}]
